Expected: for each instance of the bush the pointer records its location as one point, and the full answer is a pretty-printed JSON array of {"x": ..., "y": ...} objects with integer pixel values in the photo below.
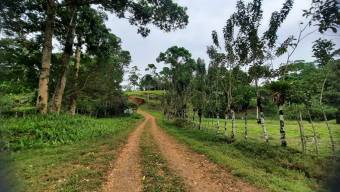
[
  {"x": 17, "y": 104},
  {"x": 113, "y": 106},
  {"x": 292, "y": 111},
  {"x": 132, "y": 105}
]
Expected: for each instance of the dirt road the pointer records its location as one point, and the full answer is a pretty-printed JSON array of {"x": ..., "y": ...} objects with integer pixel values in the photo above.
[
  {"x": 126, "y": 173},
  {"x": 198, "y": 173}
]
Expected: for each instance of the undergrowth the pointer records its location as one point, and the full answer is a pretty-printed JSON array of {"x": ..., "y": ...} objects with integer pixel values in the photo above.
[{"x": 38, "y": 131}]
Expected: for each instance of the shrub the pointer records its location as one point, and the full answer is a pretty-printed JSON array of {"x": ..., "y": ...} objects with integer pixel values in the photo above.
[
  {"x": 292, "y": 111},
  {"x": 108, "y": 107}
]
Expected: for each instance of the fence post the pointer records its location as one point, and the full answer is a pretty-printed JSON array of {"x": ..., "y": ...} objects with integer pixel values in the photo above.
[
  {"x": 302, "y": 134},
  {"x": 316, "y": 143},
  {"x": 245, "y": 125}
]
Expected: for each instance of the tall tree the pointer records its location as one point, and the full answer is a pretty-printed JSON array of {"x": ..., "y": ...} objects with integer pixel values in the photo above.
[
  {"x": 248, "y": 20},
  {"x": 247, "y": 47},
  {"x": 181, "y": 72},
  {"x": 90, "y": 33},
  {"x": 68, "y": 19},
  {"x": 166, "y": 15},
  {"x": 100, "y": 76},
  {"x": 198, "y": 91},
  {"x": 134, "y": 76},
  {"x": 32, "y": 16},
  {"x": 323, "y": 50}
]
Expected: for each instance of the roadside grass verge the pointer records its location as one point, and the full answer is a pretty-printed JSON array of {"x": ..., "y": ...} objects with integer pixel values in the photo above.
[
  {"x": 266, "y": 166},
  {"x": 156, "y": 174},
  {"x": 68, "y": 154}
]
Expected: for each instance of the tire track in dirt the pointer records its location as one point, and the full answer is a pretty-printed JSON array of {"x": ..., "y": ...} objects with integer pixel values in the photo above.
[
  {"x": 199, "y": 174},
  {"x": 126, "y": 173}
]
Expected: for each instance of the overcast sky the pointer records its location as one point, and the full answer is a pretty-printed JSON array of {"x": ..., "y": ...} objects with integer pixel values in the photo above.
[{"x": 205, "y": 16}]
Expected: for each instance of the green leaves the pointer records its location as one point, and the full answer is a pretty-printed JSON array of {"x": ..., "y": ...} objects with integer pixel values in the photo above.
[
  {"x": 325, "y": 14},
  {"x": 259, "y": 71},
  {"x": 276, "y": 20},
  {"x": 283, "y": 48},
  {"x": 164, "y": 14},
  {"x": 323, "y": 51},
  {"x": 215, "y": 38},
  {"x": 181, "y": 74}
]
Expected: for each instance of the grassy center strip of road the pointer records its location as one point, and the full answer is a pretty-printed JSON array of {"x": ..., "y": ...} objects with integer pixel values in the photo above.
[
  {"x": 80, "y": 163},
  {"x": 156, "y": 174},
  {"x": 270, "y": 167}
]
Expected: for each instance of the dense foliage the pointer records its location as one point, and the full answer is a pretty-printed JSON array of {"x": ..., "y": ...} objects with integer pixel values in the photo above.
[{"x": 85, "y": 75}]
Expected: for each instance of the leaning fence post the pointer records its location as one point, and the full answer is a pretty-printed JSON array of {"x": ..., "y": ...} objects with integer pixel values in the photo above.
[
  {"x": 302, "y": 134},
  {"x": 316, "y": 143}
]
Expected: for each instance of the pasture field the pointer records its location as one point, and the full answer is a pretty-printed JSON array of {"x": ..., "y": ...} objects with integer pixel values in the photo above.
[
  {"x": 144, "y": 94},
  {"x": 61, "y": 153},
  {"x": 255, "y": 132}
]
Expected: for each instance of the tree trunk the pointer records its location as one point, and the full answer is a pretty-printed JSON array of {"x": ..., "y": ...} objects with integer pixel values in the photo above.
[
  {"x": 233, "y": 127},
  {"x": 257, "y": 101},
  {"x": 323, "y": 88},
  {"x": 42, "y": 100},
  {"x": 330, "y": 132},
  {"x": 199, "y": 118},
  {"x": 282, "y": 127},
  {"x": 246, "y": 125},
  {"x": 316, "y": 143},
  {"x": 325, "y": 116},
  {"x": 302, "y": 134},
  {"x": 225, "y": 124},
  {"x": 261, "y": 120},
  {"x": 218, "y": 123},
  {"x": 74, "y": 95},
  {"x": 68, "y": 51}
]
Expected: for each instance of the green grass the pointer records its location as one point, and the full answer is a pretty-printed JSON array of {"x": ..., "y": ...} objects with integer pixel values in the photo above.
[
  {"x": 38, "y": 131},
  {"x": 269, "y": 167},
  {"x": 156, "y": 174},
  {"x": 77, "y": 158}
]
